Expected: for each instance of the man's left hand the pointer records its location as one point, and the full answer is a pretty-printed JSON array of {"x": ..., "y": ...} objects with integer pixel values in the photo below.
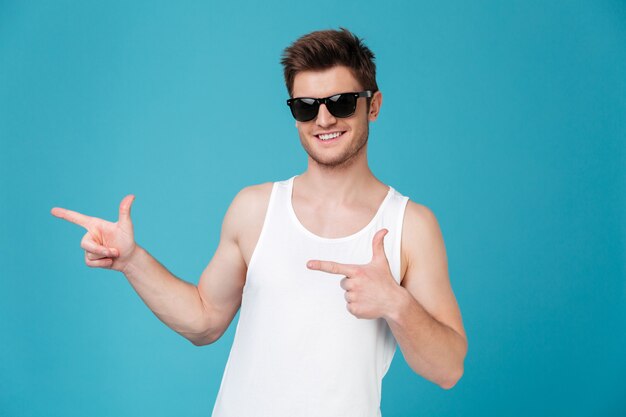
[{"x": 371, "y": 290}]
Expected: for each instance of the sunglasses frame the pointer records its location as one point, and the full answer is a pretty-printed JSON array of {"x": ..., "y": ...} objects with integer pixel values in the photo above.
[{"x": 326, "y": 100}]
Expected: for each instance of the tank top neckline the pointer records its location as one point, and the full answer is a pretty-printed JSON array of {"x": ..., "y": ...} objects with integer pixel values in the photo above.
[{"x": 300, "y": 226}]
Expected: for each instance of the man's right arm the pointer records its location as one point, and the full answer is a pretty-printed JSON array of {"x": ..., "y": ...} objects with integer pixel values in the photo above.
[{"x": 199, "y": 313}]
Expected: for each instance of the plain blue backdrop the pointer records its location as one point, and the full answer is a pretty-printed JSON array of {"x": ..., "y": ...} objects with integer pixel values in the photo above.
[{"x": 506, "y": 119}]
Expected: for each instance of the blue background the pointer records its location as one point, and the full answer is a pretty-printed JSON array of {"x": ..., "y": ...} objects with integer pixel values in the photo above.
[{"x": 507, "y": 119}]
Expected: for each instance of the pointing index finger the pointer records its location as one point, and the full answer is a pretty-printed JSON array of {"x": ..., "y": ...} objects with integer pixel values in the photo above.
[
  {"x": 71, "y": 216},
  {"x": 332, "y": 267}
]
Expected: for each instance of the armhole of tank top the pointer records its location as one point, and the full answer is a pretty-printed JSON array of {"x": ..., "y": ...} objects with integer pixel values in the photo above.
[
  {"x": 263, "y": 227},
  {"x": 399, "y": 227}
]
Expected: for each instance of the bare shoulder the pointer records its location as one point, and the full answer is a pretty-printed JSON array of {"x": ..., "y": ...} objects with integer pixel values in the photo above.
[
  {"x": 417, "y": 209},
  {"x": 419, "y": 213},
  {"x": 249, "y": 208},
  {"x": 254, "y": 195},
  {"x": 420, "y": 229}
]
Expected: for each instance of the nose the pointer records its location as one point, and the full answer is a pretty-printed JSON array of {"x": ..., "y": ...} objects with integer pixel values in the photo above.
[{"x": 324, "y": 118}]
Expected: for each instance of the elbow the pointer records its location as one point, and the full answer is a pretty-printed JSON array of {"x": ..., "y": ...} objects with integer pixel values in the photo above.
[
  {"x": 196, "y": 342},
  {"x": 204, "y": 338},
  {"x": 204, "y": 331},
  {"x": 455, "y": 375},
  {"x": 201, "y": 342},
  {"x": 452, "y": 380}
]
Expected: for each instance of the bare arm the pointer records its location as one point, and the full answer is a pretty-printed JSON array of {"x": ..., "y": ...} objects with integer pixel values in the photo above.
[
  {"x": 200, "y": 316},
  {"x": 221, "y": 284},
  {"x": 427, "y": 322},
  {"x": 175, "y": 302},
  {"x": 422, "y": 312}
]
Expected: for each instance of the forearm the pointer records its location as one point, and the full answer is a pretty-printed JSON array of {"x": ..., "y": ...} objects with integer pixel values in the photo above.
[
  {"x": 175, "y": 302},
  {"x": 431, "y": 348}
]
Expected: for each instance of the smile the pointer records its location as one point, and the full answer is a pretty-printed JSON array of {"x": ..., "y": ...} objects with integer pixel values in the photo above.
[{"x": 329, "y": 136}]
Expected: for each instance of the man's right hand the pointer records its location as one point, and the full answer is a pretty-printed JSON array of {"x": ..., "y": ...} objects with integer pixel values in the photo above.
[
  {"x": 107, "y": 245},
  {"x": 200, "y": 313}
]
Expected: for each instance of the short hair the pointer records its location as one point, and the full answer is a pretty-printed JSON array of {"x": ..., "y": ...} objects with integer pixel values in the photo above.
[{"x": 325, "y": 49}]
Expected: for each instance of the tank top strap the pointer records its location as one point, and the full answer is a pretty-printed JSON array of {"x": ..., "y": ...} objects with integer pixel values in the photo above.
[
  {"x": 282, "y": 220},
  {"x": 392, "y": 219}
]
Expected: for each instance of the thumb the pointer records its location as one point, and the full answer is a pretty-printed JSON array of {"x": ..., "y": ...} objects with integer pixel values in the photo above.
[
  {"x": 378, "y": 246},
  {"x": 124, "y": 217}
]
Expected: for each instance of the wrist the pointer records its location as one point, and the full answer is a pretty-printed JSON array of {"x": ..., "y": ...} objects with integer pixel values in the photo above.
[
  {"x": 399, "y": 302},
  {"x": 133, "y": 262}
]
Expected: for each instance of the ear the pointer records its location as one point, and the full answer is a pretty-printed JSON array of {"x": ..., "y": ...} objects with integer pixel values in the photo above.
[{"x": 375, "y": 103}]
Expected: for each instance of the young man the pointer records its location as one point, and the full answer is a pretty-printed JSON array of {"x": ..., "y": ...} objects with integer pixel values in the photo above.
[{"x": 332, "y": 268}]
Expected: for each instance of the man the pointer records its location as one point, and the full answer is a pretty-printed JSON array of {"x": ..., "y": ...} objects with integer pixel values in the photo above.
[{"x": 331, "y": 267}]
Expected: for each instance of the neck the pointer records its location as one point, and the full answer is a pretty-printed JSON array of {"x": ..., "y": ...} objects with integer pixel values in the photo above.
[{"x": 338, "y": 184}]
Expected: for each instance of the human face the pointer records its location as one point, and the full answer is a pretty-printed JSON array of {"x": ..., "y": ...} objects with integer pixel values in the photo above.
[{"x": 353, "y": 130}]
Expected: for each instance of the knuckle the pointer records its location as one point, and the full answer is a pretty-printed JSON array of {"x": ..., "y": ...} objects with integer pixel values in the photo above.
[
  {"x": 94, "y": 256},
  {"x": 88, "y": 244},
  {"x": 352, "y": 309}
]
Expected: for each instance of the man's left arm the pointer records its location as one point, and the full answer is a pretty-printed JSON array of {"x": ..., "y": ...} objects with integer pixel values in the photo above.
[
  {"x": 425, "y": 318},
  {"x": 422, "y": 311}
]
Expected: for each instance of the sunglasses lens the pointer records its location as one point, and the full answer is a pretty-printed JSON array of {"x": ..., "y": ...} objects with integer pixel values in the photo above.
[
  {"x": 304, "y": 109},
  {"x": 342, "y": 105}
]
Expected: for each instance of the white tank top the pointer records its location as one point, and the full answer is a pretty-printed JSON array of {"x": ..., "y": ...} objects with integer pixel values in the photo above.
[{"x": 298, "y": 351}]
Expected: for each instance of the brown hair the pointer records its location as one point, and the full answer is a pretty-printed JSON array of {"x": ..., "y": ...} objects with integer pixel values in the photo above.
[{"x": 324, "y": 49}]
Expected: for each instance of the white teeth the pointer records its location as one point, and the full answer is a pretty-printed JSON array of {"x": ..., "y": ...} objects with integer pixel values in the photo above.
[{"x": 329, "y": 136}]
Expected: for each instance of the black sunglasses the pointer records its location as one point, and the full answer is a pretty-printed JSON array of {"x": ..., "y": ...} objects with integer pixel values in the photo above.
[{"x": 304, "y": 109}]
